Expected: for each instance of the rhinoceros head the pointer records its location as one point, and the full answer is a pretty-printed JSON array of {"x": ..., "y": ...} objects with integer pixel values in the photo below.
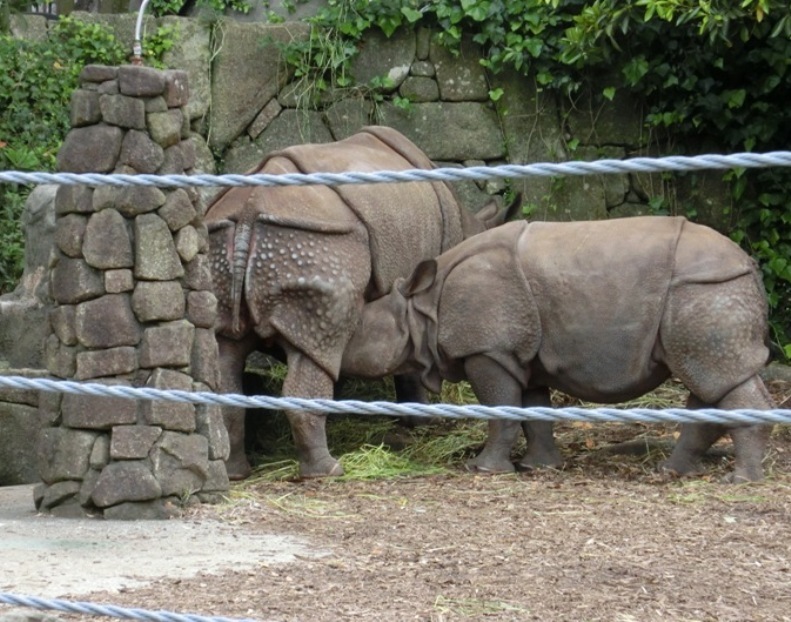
[{"x": 394, "y": 332}]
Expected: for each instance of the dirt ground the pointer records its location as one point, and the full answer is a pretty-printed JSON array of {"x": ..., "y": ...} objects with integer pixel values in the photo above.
[{"x": 603, "y": 539}]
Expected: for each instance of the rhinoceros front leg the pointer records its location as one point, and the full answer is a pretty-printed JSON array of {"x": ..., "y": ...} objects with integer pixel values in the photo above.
[
  {"x": 494, "y": 386},
  {"x": 541, "y": 448},
  {"x": 305, "y": 379},
  {"x": 233, "y": 355},
  {"x": 409, "y": 389},
  {"x": 749, "y": 442}
]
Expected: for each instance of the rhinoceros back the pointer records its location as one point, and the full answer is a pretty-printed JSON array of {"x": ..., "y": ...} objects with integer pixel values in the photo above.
[{"x": 406, "y": 222}]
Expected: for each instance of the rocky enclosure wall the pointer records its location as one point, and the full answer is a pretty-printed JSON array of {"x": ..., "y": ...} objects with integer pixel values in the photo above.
[
  {"x": 132, "y": 306},
  {"x": 244, "y": 104}
]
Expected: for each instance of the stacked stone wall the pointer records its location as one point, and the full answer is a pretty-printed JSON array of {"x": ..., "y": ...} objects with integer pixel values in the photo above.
[{"x": 133, "y": 305}]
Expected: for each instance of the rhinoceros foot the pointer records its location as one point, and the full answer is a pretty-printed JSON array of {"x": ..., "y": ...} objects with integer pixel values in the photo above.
[
  {"x": 325, "y": 467},
  {"x": 484, "y": 464},
  {"x": 679, "y": 466},
  {"x": 743, "y": 476},
  {"x": 549, "y": 459},
  {"x": 238, "y": 468}
]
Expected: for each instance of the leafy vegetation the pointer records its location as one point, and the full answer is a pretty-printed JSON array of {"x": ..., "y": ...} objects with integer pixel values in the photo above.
[
  {"x": 176, "y": 7},
  {"x": 712, "y": 75},
  {"x": 37, "y": 79}
]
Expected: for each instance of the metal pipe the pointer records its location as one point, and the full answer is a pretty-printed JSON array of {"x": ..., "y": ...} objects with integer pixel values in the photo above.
[{"x": 137, "y": 47}]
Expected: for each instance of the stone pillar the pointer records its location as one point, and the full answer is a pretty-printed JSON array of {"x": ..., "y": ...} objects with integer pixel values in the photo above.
[{"x": 133, "y": 306}]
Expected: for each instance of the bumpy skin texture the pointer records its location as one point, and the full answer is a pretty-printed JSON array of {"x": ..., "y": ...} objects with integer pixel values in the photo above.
[
  {"x": 292, "y": 267},
  {"x": 604, "y": 311}
]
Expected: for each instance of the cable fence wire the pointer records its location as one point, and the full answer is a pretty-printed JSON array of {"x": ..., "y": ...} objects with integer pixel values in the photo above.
[
  {"x": 354, "y": 407},
  {"x": 108, "y": 610},
  {"x": 474, "y": 173}
]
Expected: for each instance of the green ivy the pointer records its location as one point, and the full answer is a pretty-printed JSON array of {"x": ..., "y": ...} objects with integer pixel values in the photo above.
[
  {"x": 37, "y": 79},
  {"x": 160, "y": 8}
]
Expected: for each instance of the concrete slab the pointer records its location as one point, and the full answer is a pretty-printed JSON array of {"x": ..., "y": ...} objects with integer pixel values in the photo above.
[{"x": 61, "y": 557}]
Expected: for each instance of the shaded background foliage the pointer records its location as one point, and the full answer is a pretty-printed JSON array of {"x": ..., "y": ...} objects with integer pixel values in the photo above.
[{"x": 713, "y": 76}]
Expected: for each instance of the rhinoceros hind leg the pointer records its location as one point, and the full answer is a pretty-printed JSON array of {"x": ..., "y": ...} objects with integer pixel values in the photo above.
[
  {"x": 749, "y": 442},
  {"x": 233, "y": 355},
  {"x": 542, "y": 452},
  {"x": 494, "y": 386},
  {"x": 305, "y": 379},
  {"x": 693, "y": 442}
]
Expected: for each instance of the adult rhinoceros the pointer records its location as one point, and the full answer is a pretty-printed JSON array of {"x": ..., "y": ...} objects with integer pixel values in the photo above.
[
  {"x": 604, "y": 311},
  {"x": 292, "y": 267}
]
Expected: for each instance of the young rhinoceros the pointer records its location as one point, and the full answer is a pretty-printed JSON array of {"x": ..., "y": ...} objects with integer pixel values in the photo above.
[
  {"x": 604, "y": 311},
  {"x": 292, "y": 267}
]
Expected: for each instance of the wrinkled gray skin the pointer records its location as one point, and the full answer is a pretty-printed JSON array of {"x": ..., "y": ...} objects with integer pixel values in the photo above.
[
  {"x": 292, "y": 267},
  {"x": 604, "y": 311}
]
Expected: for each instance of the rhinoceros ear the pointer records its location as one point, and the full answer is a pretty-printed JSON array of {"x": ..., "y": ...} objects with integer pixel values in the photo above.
[
  {"x": 421, "y": 279},
  {"x": 492, "y": 215}
]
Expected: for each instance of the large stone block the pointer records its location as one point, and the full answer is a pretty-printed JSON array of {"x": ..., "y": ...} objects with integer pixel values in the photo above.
[
  {"x": 291, "y": 127},
  {"x": 73, "y": 281},
  {"x": 246, "y": 75},
  {"x": 348, "y": 116},
  {"x": 179, "y": 416},
  {"x": 176, "y": 416},
  {"x": 188, "y": 243},
  {"x": 179, "y": 158},
  {"x": 71, "y": 199},
  {"x": 198, "y": 274},
  {"x": 19, "y": 427},
  {"x": 385, "y": 57},
  {"x": 97, "y": 412},
  {"x": 139, "y": 81},
  {"x": 181, "y": 463},
  {"x": 85, "y": 108},
  {"x": 130, "y": 480},
  {"x": 177, "y": 89},
  {"x": 178, "y": 210},
  {"x": 61, "y": 360},
  {"x": 126, "y": 112},
  {"x": 165, "y": 127},
  {"x": 205, "y": 357},
  {"x": 193, "y": 55},
  {"x": 107, "y": 322},
  {"x": 101, "y": 363},
  {"x": 129, "y": 442},
  {"x": 106, "y": 244},
  {"x": 202, "y": 308},
  {"x": 62, "y": 454},
  {"x": 70, "y": 234},
  {"x": 460, "y": 77},
  {"x": 167, "y": 345},
  {"x": 61, "y": 319},
  {"x": 449, "y": 131},
  {"x": 155, "y": 250},
  {"x": 132, "y": 201},
  {"x": 59, "y": 493},
  {"x": 158, "y": 300},
  {"x": 92, "y": 149},
  {"x": 211, "y": 425},
  {"x": 141, "y": 153}
]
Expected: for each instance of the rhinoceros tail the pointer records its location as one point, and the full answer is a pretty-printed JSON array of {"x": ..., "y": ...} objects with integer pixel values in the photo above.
[{"x": 241, "y": 255}]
